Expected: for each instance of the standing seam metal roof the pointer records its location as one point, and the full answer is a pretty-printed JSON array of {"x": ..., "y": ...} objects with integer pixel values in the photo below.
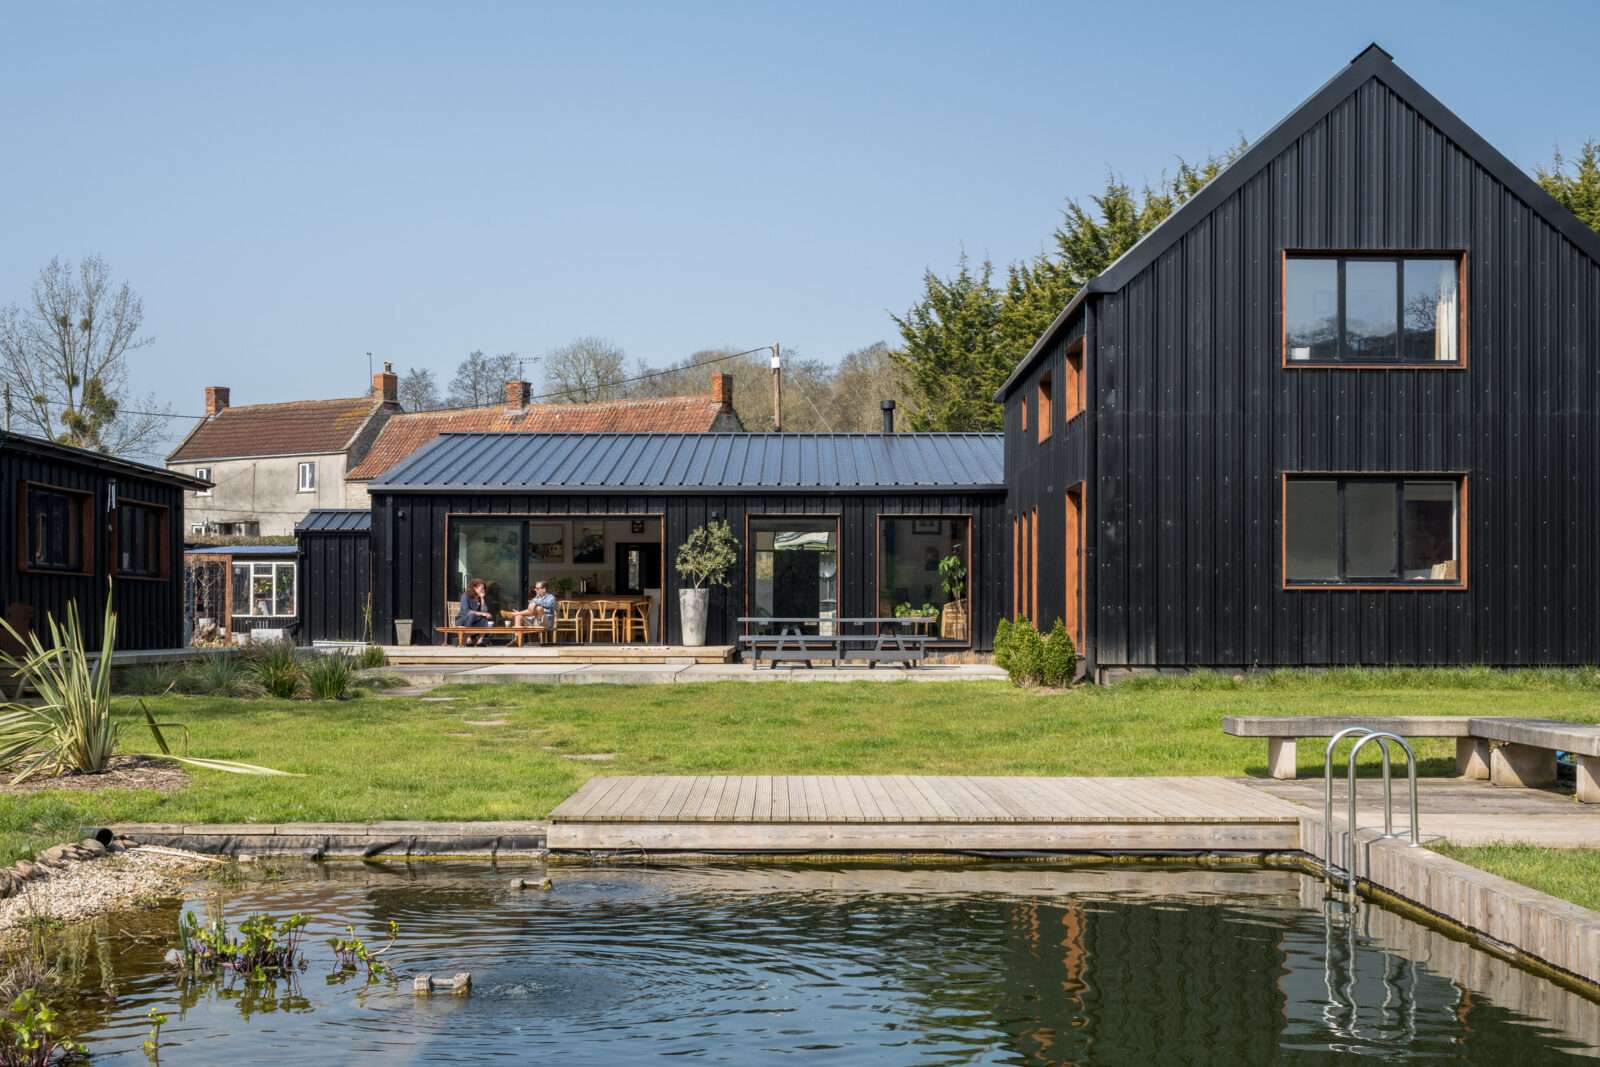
[
  {"x": 665, "y": 462},
  {"x": 335, "y": 520}
]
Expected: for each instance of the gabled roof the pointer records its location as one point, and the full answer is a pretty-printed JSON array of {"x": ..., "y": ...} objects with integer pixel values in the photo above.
[
  {"x": 404, "y": 433},
  {"x": 1372, "y": 63},
  {"x": 701, "y": 463},
  {"x": 38, "y": 446},
  {"x": 293, "y": 428},
  {"x": 335, "y": 520}
]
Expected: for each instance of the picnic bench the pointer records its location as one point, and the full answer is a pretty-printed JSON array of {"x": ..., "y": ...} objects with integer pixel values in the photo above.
[
  {"x": 891, "y": 643},
  {"x": 1515, "y": 753}
]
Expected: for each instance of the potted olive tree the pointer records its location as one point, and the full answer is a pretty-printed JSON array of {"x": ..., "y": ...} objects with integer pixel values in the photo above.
[
  {"x": 953, "y": 619},
  {"x": 704, "y": 559}
]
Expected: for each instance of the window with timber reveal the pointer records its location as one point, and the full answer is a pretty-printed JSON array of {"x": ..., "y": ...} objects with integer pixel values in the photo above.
[
  {"x": 141, "y": 540},
  {"x": 1075, "y": 403},
  {"x": 1374, "y": 310},
  {"x": 1391, "y": 531},
  {"x": 1046, "y": 398},
  {"x": 57, "y": 529}
]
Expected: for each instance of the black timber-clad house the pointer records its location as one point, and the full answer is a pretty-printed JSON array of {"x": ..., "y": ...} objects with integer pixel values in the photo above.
[
  {"x": 829, "y": 525},
  {"x": 1342, "y": 407},
  {"x": 85, "y": 523}
]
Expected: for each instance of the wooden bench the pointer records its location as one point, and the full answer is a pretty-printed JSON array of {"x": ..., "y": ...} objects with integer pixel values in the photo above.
[
  {"x": 793, "y": 645},
  {"x": 1525, "y": 755},
  {"x": 1283, "y": 731}
]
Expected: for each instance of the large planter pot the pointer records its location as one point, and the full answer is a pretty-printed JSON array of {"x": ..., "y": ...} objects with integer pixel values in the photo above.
[
  {"x": 693, "y": 607},
  {"x": 402, "y": 631}
]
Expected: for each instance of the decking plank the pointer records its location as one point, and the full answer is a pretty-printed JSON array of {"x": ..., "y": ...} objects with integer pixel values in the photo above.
[
  {"x": 799, "y": 811},
  {"x": 942, "y": 809},
  {"x": 707, "y": 811},
  {"x": 728, "y": 805},
  {"x": 622, "y": 807},
  {"x": 816, "y": 807},
  {"x": 870, "y": 812},
  {"x": 589, "y": 793},
  {"x": 761, "y": 806}
]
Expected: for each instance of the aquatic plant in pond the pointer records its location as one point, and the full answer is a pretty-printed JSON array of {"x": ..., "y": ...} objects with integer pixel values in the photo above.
[
  {"x": 350, "y": 953},
  {"x": 265, "y": 950},
  {"x": 30, "y": 1036}
]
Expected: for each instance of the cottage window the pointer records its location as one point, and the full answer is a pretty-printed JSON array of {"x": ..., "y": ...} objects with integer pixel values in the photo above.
[
  {"x": 57, "y": 529},
  {"x": 308, "y": 477},
  {"x": 263, "y": 589},
  {"x": 1366, "y": 531},
  {"x": 1373, "y": 310},
  {"x": 141, "y": 540},
  {"x": 204, "y": 474}
]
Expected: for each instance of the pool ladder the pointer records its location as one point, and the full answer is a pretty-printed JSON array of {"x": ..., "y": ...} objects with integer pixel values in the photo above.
[{"x": 1364, "y": 735}]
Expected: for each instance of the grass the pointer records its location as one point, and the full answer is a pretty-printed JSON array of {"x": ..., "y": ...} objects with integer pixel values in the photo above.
[
  {"x": 406, "y": 758},
  {"x": 1569, "y": 873}
]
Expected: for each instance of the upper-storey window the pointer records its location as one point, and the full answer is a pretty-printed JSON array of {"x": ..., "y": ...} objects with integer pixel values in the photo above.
[
  {"x": 1047, "y": 388},
  {"x": 1075, "y": 380},
  {"x": 1373, "y": 310}
]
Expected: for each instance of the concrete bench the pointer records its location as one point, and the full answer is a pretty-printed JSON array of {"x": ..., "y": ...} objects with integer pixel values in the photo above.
[
  {"x": 1282, "y": 731},
  {"x": 1525, "y": 756}
]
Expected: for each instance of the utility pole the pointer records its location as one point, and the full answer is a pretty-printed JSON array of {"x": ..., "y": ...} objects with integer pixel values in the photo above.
[{"x": 777, "y": 388}]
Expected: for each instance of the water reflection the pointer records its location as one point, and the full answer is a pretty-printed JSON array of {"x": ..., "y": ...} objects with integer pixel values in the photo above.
[{"x": 799, "y": 964}]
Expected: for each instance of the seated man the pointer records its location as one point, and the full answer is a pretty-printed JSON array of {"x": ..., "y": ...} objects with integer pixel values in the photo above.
[{"x": 541, "y": 609}]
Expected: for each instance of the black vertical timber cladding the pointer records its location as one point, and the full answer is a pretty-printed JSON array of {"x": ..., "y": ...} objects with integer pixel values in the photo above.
[
  {"x": 149, "y": 610},
  {"x": 1197, "y": 420},
  {"x": 410, "y": 547},
  {"x": 335, "y": 577}
]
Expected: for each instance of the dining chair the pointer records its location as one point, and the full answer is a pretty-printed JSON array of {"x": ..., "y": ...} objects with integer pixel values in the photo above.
[
  {"x": 606, "y": 618},
  {"x": 569, "y": 620},
  {"x": 636, "y": 620}
]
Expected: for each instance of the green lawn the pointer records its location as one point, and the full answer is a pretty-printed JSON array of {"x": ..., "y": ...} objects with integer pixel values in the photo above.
[
  {"x": 1569, "y": 873},
  {"x": 406, "y": 758}
]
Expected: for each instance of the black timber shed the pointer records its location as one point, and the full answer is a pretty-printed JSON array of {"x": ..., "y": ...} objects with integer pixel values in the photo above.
[
  {"x": 335, "y": 574},
  {"x": 1165, "y": 497},
  {"x": 845, "y": 489},
  {"x": 85, "y": 525}
]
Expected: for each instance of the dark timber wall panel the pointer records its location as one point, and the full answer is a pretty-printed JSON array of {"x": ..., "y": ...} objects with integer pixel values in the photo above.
[
  {"x": 408, "y": 539},
  {"x": 335, "y": 576},
  {"x": 1197, "y": 420}
]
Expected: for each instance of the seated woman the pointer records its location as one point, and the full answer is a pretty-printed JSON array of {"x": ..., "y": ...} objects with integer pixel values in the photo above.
[
  {"x": 474, "y": 608},
  {"x": 541, "y": 609}
]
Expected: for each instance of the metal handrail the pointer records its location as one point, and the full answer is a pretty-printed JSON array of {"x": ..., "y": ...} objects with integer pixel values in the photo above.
[{"x": 1383, "y": 738}]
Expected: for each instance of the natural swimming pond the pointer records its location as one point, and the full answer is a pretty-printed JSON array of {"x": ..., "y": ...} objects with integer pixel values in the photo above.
[{"x": 760, "y": 963}]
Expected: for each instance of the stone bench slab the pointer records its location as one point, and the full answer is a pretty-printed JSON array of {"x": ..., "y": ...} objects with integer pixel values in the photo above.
[
  {"x": 1581, "y": 739},
  {"x": 1327, "y": 725}
]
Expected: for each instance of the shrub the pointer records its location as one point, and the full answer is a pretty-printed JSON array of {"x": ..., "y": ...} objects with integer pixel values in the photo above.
[
  {"x": 277, "y": 670},
  {"x": 223, "y": 674},
  {"x": 328, "y": 677},
  {"x": 1027, "y": 654},
  {"x": 1002, "y": 645},
  {"x": 370, "y": 658},
  {"x": 151, "y": 679},
  {"x": 1059, "y": 658}
]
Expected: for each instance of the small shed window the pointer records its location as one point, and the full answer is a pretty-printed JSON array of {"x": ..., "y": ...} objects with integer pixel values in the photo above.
[
  {"x": 1399, "y": 531},
  {"x": 1046, "y": 396},
  {"x": 263, "y": 589},
  {"x": 57, "y": 532},
  {"x": 141, "y": 540},
  {"x": 1373, "y": 310}
]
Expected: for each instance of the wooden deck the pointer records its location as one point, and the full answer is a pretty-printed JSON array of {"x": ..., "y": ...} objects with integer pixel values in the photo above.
[
  {"x": 531, "y": 653},
  {"x": 912, "y": 812}
]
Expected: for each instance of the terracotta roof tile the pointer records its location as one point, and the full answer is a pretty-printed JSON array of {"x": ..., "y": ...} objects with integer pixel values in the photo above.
[
  {"x": 297, "y": 427},
  {"x": 404, "y": 433}
]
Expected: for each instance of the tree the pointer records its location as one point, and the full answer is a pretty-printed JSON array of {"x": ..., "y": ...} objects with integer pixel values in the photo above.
[
  {"x": 64, "y": 358},
  {"x": 859, "y": 385},
  {"x": 952, "y": 361},
  {"x": 481, "y": 380},
  {"x": 418, "y": 390},
  {"x": 587, "y": 370},
  {"x": 1579, "y": 190}
]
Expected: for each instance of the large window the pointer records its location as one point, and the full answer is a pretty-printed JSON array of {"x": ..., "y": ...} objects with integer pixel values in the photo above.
[
  {"x": 922, "y": 569},
  {"x": 141, "y": 540},
  {"x": 794, "y": 568},
  {"x": 57, "y": 529},
  {"x": 263, "y": 589},
  {"x": 1400, "y": 531},
  {"x": 491, "y": 550},
  {"x": 1372, "y": 310}
]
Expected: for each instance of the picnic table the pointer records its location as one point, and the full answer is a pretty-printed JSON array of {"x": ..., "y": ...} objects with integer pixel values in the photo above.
[{"x": 891, "y": 643}]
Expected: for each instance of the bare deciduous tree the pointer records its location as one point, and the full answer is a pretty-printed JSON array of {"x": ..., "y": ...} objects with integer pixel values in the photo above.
[
  {"x": 584, "y": 371},
  {"x": 418, "y": 391},
  {"x": 481, "y": 380},
  {"x": 65, "y": 358}
]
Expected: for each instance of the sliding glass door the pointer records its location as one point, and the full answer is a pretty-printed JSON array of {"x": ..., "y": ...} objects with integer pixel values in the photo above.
[
  {"x": 922, "y": 572},
  {"x": 492, "y": 550},
  {"x": 794, "y": 569}
]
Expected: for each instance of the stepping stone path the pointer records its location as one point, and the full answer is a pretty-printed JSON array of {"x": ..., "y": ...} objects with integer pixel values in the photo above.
[
  {"x": 593, "y": 757},
  {"x": 487, "y": 722}
]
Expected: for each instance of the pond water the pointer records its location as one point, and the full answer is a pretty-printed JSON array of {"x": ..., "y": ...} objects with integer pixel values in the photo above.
[{"x": 751, "y": 964}]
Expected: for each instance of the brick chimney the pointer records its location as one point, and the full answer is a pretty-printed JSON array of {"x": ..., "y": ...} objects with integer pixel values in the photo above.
[
  {"x": 517, "y": 396},
  {"x": 216, "y": 399},
  {"x": 386, "y": 385},
  {"x": 722, "y": 390}
]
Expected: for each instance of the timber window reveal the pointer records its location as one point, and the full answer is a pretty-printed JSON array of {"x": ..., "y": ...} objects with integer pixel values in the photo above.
[
  {"x": 308, "y": 478},
  {"x": 1024, "y": 412},
  {"x": 1046, "y": 403},
  {"x": 1393, "y": 531},
  {"x": 57, "y": 529},
  {"x": 141, "y": 540},
  {"x": 1075, "y": 404},
  {"x": 1373, "y": 310},
  {"x": 263, "y": 589}
]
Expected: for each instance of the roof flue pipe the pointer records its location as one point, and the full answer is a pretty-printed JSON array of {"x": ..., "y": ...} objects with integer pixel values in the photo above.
[{"x": 888, "y": 415}]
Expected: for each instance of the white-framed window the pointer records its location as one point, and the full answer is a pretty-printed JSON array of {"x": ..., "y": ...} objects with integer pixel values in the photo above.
[
  {"x": 263, "y": 589},
  {"x": 308, "y": 477},
  {"x": 203, "y": 473},
  {"x": 197, "y": 528}
]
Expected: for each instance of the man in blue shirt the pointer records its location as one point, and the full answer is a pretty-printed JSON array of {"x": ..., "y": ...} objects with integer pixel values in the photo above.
[{"x": 541, "y": 609}]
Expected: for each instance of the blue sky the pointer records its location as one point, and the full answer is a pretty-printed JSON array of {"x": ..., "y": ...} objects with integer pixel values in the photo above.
[{"x": 292, "y": 187}]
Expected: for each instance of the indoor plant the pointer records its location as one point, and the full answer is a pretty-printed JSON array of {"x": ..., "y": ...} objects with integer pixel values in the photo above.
[
  {"x": 953, "y": 579},
  {"x": 704, "y": 560}
]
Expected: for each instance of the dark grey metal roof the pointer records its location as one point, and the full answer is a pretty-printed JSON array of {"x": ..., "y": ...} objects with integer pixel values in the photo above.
[
  {"x": 702, "y": 462},
  {"x": 1373, "y": 62},
  {"x": 335, "y": 520},
  {"x": 246, "y": 551}
]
